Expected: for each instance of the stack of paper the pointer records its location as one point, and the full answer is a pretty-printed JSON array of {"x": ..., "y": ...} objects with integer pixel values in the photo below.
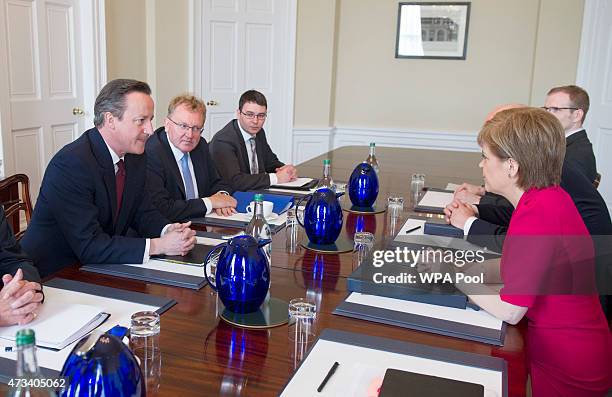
[{"x": 57, "y": 326}]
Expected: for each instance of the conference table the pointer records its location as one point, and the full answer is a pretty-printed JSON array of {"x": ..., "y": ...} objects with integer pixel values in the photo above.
[{"x": 202, "y": 355}]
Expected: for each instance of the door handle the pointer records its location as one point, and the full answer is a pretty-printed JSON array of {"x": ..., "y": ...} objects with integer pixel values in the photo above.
[
  {"x": 77, "y": 111},
  {"x": 212, "y": 103}
]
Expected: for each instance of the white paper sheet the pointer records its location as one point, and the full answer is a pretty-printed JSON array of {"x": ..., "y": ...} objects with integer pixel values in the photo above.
[
  {"x": 209, "y": 241},
  {"x": 299, "y": 182},
  {"x": 300, "y": 192},
  {"x": 410, "y": 224},
  {"x": 58, "y": 325},
  {"x": 120, "y": 312},
  {"x": 435, "y": 199},
  {"x": 360, "y": 366},
  {"x": 479, "y": 318},
  {"x": 452, "y": 186},
  {"x": 274, "y": 219},
  {"x": 171, "y": 267}
]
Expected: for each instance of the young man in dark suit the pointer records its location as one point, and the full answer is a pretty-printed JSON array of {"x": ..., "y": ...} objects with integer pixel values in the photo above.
[
  {"x": 93, "y": 192},
  {"x": 182, "y": 180},
  {"x": 241, "y": 152},
  {"x": 570, "y": 105}
]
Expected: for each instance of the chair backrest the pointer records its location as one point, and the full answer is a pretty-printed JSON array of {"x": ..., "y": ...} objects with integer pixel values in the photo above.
[
  {"x": 15, "y": 197},
  {"x": 597, "y": 180}
]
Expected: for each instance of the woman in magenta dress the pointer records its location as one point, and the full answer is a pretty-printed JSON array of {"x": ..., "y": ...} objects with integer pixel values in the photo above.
[{"x": 547, "y": 259}]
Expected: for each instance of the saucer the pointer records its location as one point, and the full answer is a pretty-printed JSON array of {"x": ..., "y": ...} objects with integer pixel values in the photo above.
[{"x": 272, "y": 216}]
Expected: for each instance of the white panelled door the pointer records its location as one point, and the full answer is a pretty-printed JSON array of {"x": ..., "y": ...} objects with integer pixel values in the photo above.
[
  {"x": 595, "y": 75},
  {"x": 242, "y": 45},
  {"x": 40, "y": 72}
]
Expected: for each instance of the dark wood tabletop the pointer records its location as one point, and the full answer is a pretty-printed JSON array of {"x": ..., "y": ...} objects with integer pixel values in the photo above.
[{"x": 204, "y": 356}]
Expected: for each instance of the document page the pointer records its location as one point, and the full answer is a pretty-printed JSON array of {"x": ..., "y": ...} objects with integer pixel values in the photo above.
[{"x": 58, "y": 325}]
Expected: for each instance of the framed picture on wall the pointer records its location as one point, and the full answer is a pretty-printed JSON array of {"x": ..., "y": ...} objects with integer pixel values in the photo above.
[{"x": 432, "y": 30}]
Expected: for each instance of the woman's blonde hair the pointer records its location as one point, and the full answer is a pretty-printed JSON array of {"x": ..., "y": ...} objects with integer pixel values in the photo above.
[{"x": 533, "y": 138}]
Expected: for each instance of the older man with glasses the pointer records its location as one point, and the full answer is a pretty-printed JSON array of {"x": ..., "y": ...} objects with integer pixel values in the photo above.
[
  {"x": 182, "y": 179},
  {"x": 241, "y": 152}
]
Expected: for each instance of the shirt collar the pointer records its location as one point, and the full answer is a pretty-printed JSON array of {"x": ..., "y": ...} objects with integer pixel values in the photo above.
[
  {"x": 245, "y": 135},
  {"x": 114, "y": 156},
  {"x": 178, "y": 154},
  {"x": 572, "y": 132}
]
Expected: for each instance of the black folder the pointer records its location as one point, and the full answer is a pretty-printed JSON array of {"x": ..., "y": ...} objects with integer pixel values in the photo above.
[
  {"x": 195, "y": 257},
  {"x": 398, "y": 383},
  {"x": 442, "y": 229}
]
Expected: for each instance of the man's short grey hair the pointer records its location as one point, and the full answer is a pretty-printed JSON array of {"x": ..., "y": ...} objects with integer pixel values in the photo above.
[{"x": 112, "y": 98}]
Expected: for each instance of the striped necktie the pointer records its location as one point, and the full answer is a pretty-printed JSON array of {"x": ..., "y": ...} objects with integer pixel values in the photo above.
[
  {"x": 189, "y": 190},
  {"x": 254, "y": 167}
]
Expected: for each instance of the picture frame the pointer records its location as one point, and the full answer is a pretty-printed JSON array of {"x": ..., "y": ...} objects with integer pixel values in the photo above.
[{"x": 432, "y": 30}]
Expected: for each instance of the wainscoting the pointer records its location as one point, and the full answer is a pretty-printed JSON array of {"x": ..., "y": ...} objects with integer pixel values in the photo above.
[{"x": 309, "y": 143}]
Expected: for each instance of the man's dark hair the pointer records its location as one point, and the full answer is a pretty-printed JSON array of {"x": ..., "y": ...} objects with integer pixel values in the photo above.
[
  {"x": 112, "y": 98},
  {"x": 252, "y": 96}
]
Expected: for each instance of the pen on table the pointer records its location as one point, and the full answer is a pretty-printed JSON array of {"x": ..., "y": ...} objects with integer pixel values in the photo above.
[
  {"x": 413, "y": 229},
  {"x": 330, "y": 373}
]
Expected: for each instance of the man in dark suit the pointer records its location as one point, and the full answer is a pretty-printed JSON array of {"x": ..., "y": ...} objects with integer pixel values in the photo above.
[
  {"x": 241, "y": 152},
  {"x": 21, "y": 293},
  {"x": 570, "y": 105},
  {"x": 93, "y": 192},
  {"x": 182, "y": 179}
]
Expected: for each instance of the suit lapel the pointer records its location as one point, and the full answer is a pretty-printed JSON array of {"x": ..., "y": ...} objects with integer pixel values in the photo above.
[
  {"x": 200, "y": 172},
  {"x": 575, "y": 137},
  {"x": 245, "y": 166},
  {"x": 259, "y": 149},
  {"x": 104, "y": 159},
  {"x": 131, "y": 183},
  {"x": 172, "y": 161}
]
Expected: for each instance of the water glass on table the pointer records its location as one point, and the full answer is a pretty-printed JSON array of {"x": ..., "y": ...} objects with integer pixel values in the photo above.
[
  {"x": 363, "y": 245},
  {"x": 395, "y": 205},
  {"x": 302, "y": 316},
  {"x": 417, "y": 184},
  {"x": 144, "y": 342}
]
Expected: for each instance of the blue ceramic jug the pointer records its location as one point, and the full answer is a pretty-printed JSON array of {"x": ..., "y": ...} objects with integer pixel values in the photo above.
[
  {"x": 322, "y": 216},
  {"x": 102, "y": 365},
  {"x": 242, "y": 277},
  {"x": 363, "y": 186}
]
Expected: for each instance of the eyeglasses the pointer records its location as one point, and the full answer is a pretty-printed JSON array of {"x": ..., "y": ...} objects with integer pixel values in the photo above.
[
  {"x": 554, "y": 109},
  {"x": 251, "y": 115},
  {"x": 187, "y": 127}
]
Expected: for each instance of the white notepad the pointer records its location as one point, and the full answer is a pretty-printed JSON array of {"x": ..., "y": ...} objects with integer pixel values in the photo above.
[
  {"x": 274, "y": 219},
  {"x": 299, "y": 182},
  {"x": 171, "y": 267},
  {"x": 436, "y": 199},
  {"x": 58, "y": 325}
]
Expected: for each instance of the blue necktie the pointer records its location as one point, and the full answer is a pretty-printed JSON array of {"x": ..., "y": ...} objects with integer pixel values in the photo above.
[{"x": 187, "y": 176}]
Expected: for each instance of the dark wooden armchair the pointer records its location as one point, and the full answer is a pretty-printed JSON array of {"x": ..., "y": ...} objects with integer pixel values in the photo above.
[
  {"x": 597, "y": 180},
  {"x": 15, "y": 198}
]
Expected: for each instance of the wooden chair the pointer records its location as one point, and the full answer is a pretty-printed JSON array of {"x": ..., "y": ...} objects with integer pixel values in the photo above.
[
  {"x": 597, "y": 180},
  {"x": 15, "y": 197}
]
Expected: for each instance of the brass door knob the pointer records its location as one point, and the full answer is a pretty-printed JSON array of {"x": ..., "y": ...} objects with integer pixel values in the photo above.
[
  {"x": 212, "y": 103},
  {"x": 77, "y": 111}
]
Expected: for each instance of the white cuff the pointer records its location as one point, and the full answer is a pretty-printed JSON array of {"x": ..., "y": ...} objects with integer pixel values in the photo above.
[
  {"x": 468, "y": 225},
  {"x": 146, "y": 255},
  {"x": 208, "y": 205},
  {"x": 164, "y": 230},
  {"x": 273, "y": 179}
]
